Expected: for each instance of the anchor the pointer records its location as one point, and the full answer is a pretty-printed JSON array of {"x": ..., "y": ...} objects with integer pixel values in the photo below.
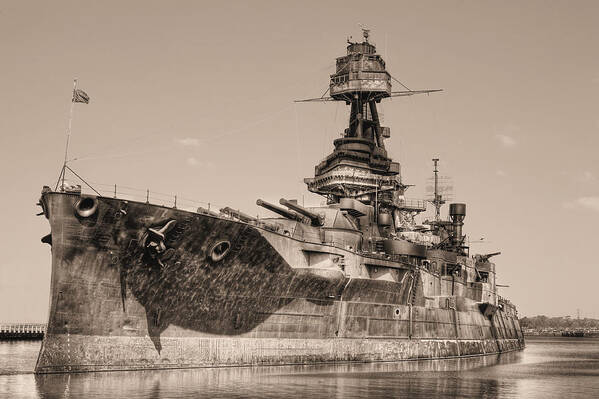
[{"x": 154, "y": 242}]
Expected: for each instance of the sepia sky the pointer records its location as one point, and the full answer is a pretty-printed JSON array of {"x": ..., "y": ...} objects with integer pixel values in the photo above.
[{"x": 196, "y": 99}]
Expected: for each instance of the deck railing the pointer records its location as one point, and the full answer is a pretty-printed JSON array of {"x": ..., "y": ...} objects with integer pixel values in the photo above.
[
  {"x": 140, "y": 195},
  {"x": 415, "y": 204}
]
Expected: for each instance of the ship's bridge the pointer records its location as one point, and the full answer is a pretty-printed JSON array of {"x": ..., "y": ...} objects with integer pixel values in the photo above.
[
  {"x": 361, "y": 70},
  {"x": 359, "y": 167}
]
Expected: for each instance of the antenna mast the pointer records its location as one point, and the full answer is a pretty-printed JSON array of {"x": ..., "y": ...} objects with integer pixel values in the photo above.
[{"x": 437, "y": 201}]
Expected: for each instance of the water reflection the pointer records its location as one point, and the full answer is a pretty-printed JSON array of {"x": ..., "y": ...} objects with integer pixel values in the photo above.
[
  {"x": 547, "y": 368},
  {"x": 414, "y": 379},
  {"x": 17, "y": 357}
]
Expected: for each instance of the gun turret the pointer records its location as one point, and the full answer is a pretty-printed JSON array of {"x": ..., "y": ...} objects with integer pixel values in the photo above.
[
  {"x": 317, "y": 220},
  {"x": 238, "y": 215},
  {"x": 281, "y": 211}
]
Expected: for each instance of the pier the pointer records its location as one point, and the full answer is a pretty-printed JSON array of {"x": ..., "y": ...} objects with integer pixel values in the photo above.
[{"x": 22, "y": 331}]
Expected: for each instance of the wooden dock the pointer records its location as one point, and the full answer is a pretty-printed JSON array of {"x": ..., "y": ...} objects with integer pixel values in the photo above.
[{"x": 22, "y": 331}]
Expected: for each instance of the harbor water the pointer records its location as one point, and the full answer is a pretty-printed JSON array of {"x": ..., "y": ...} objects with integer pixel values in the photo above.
[{"x": 549, "y": 367}]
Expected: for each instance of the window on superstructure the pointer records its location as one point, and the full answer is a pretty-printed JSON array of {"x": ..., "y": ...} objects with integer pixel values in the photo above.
[
  {"x": 452, "y": 270},
  {"x": 484, "y": 277},
  {"x": 426, "y": 264}
]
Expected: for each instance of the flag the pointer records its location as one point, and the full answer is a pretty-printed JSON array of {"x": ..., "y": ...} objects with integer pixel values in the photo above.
[{"x": 79, "y": 96}]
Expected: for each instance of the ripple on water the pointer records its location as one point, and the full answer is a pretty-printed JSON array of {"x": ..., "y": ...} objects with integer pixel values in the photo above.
[{"x": 547, "y": 368}]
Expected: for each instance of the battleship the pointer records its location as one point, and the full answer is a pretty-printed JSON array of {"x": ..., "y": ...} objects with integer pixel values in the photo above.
[{"x": 137, "y": 285}]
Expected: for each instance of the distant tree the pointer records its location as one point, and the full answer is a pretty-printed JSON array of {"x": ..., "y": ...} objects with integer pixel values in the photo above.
[{"x": 540, "y": 322}]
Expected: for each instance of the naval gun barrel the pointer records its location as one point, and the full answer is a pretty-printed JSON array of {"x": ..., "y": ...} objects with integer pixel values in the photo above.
[
  {"x": 238, "y": 215},
  {"x": 486, "y": 257},
  {"x": 317, "y": 220},
  {"x": 281, "y": 211}
]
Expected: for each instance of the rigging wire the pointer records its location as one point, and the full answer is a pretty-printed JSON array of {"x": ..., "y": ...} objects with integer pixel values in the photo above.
[
  {"x": 81, "y": 178},
  {"x": 297, "y": 165},
  {"x": 165, "y": 147},
  {"x": 403, "y": 85},
  {"x": 140, "y": 192},
  {"x": 118, "y": 145},
  {"x": 127, "y": 154},
  {"x": 98, "y": 153}
]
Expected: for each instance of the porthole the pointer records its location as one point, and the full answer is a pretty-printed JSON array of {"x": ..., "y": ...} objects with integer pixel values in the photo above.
[
  {"x": 396, "y": 313},
  {"x": 86, "y": 206},
  {"x": 220, "y": 250}
]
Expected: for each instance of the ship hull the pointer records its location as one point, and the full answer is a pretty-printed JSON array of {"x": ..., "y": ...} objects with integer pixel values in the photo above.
[
  {"x": 102, "y": 353},
  {"x": 131, "y": 291}
]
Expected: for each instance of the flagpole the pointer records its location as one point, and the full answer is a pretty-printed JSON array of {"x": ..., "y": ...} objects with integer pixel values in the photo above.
[{"x": 66, "y": 149}]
